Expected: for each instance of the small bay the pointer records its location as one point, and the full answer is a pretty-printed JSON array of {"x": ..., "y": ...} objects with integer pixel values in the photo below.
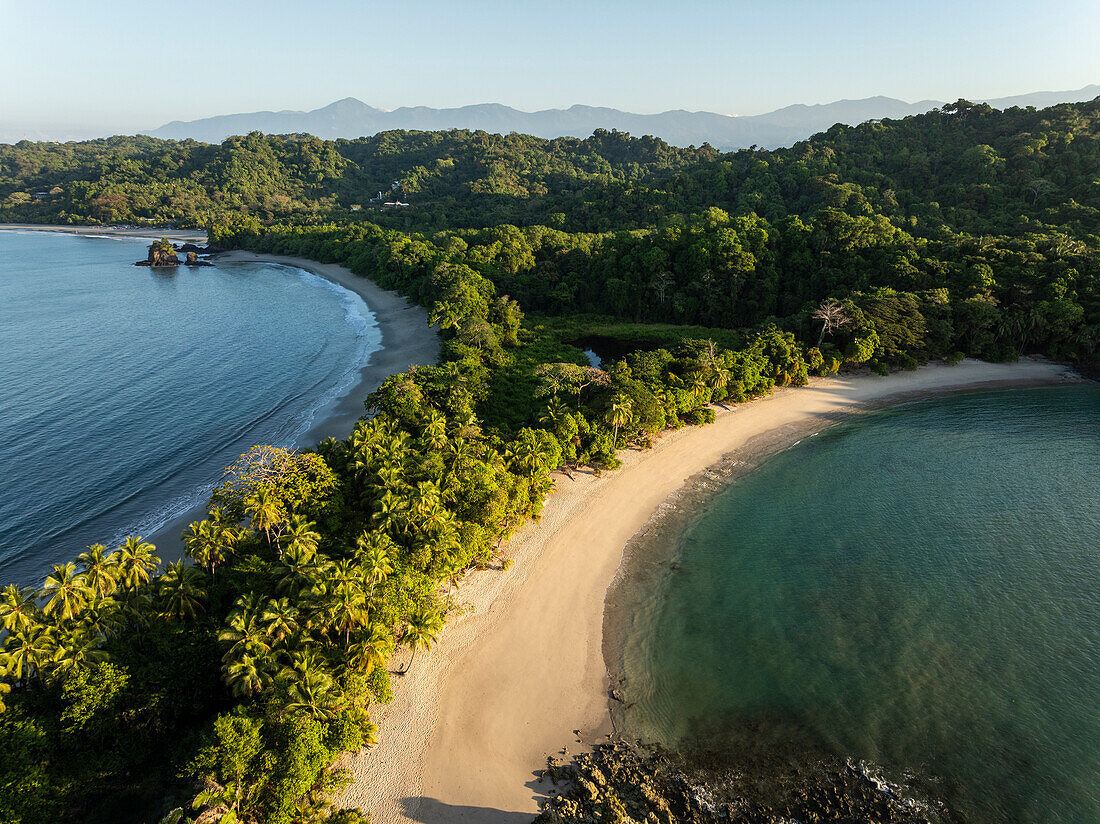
[
  {"x": 125, "y": 391},
  {"x": 917, "y": 588}
]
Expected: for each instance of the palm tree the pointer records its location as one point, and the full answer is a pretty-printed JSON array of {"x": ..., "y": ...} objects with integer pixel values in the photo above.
[
  {"x": 435, "y": 432},
  {"x": 207, "y": 543},
  {"x": 248, "y": 675},
  {"x": 266, "y": 511},
  {"x": 19, "y": 608},
  {"x": 348, "y": 609},
  {"x": 77, "y": 651},
  {"x": 555, "y": 411},
  {"x": 100, "y": 570},
  {"x": 376, "y": 559},
  {"x": 300, "y": 534},
  {"x": 620, "y": 414},
  {"x": 102, "y": 617},
  {"x": 26, "y": 652},
  {"x": 279, "y": 619},
  {"x": 219, "y": 805},
  {"x": 66, "y": 592},
  {"x": 421, "y": 631},
  {"x": 312, "y": 692},
  {"x": 181, "y": 591},
  {"x": 244, "y": 629},
  {"x": 370, "y": 648},
  {"x": 295, "y": 573},
  {"x": 136, "y": 561}
]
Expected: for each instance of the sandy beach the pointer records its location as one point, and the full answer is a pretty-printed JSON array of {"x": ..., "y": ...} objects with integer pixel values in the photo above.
[
  {"x": 522, "y": 668},
  {"x": 196, "y": 236}
]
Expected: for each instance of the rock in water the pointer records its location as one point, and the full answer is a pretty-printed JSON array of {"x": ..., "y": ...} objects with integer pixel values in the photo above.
[
  {"x": 193, "y": 260},
  {"x": 161, "y": 253}
]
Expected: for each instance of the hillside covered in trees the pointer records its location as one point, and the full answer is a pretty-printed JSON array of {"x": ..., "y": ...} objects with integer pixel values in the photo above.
[{"x": 225, "y": 689}]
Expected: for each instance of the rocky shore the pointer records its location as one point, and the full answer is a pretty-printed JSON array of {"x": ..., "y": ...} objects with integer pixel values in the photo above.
[{"x": 626, "y": 784}]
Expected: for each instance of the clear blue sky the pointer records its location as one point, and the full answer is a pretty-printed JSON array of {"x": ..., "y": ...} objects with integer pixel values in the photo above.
[{"x": 123, "y": 65}]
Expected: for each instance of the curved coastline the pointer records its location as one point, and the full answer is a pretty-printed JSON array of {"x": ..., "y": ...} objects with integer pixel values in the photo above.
[
  {"x": 521, "y": 669},
  {"x": 407, "y": 339}
]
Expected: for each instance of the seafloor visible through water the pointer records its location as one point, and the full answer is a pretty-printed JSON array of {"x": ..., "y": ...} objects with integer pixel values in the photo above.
[
  {"x": 917, "y": 589},
  {"x": 125, "y": 391}
]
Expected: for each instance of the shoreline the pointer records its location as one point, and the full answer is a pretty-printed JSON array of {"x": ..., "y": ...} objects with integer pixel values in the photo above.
[
  {"x": 196, "y": 236},
  {"x": 522, "y": 667},
  {"x": 401, "y": 324},
  {"x": 405, "y": 342}
]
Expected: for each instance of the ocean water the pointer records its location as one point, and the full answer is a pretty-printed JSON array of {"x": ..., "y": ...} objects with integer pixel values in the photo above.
[
  {"x": 125, "y": 391},
  {"x": 917, "y": 588}
]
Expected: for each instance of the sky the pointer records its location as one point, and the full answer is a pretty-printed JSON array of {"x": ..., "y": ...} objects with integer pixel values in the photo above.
[{"x": 118, "y": 66}]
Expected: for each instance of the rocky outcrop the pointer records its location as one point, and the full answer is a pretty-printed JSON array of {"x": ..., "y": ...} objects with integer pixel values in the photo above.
[
  {"x": 626, "y": 785},
  {"x": 193, "y": 260},
  {"x": 161, "y": 253}
]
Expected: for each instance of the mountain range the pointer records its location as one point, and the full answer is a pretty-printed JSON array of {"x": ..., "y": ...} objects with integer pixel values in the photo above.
[{"x": 352, "y": 118}]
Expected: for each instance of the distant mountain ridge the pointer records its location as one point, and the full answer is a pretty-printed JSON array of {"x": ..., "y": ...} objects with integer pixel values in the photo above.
[{"x": 352, "y": 118}]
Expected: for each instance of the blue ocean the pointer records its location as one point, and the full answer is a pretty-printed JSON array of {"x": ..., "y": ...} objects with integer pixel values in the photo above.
[
  {"x": 124, "y": 391},
  {"x": 917, "y": 589}
]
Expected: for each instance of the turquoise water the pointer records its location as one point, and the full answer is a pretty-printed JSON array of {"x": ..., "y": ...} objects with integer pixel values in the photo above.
[
  {"x": 919, "y": 588},
  {"x": 124, "y": 391}
]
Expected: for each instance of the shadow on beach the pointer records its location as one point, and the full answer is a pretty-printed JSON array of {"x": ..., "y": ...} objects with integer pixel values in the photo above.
[{"x": 434, "y": 811}]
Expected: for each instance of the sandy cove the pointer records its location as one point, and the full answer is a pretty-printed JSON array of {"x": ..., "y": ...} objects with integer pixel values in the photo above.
[{"x": 522, "y": 667}]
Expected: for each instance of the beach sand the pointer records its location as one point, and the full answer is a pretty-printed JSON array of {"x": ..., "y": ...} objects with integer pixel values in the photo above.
[
  {"x": 516, "y": 674},
  {"x": 196, "y": 236}
]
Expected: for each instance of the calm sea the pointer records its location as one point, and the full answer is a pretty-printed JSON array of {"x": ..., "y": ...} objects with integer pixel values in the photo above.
[
  {"x": 918, "y": 588},
  {"x": 124, "y": 391}
]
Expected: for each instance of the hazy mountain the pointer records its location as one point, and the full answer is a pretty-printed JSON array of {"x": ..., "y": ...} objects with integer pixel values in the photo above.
[{"x": 352, "y": 118}]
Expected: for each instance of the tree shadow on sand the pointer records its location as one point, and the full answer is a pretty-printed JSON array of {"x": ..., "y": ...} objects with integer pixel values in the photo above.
[{"x": 434, "y": 811}]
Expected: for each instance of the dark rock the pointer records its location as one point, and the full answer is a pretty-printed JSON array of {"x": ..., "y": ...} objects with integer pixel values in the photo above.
[
  {"x": 618, "y": 782},
  {"x": 161, "y": 253},
  {"x": 193, "y": 260}
]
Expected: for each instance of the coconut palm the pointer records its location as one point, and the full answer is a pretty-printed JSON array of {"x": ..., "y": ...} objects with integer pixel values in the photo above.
[
  {"x": 100, "y": 569},
  {"x": 76, "y": 651},
  {"x": 279, "y": 619},
  {"x": 248, "y": 675},
  {"x": 555, "y": 411},
  {"x": 301, "y": 534},
  {"x": 435, "y": 432},
  {"x": 102, "y": 617},
  {"x": 377, "y": 561},
  {"x": 27, "y": 652},
  {"x": 312, "y": 692},
  {"x": 181, "y": 591},
  {"x": 65, "y": 592},
  {"x": 208, "y": 543},
  {"x": 219, "y": 805},
  {"x": 421, "y": 631},
  {"x": 19, "y": 608},
  {"x": 296, "y": 572},
  {"x": 348, "y": 609},
  {"x": 620, "y": 414},
  {"x": 136, "y": 562},
  {"x": 370, "y": 648},
  {"x": 266, "y": 512}
]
